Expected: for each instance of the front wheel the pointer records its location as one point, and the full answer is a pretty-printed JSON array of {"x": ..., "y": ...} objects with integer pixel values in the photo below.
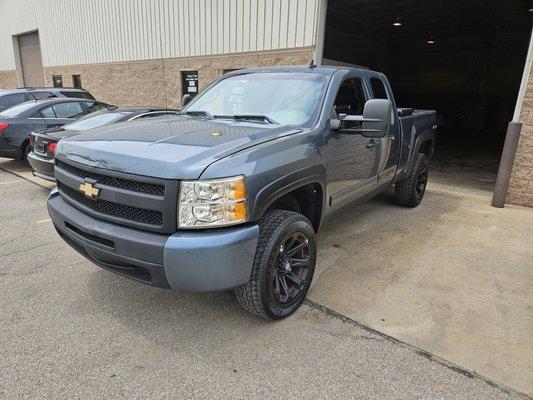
[{"x": 283, "y": 267}]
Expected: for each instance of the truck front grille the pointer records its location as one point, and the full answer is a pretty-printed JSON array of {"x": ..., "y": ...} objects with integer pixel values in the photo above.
[
  {"x": 113, "y": 209},
  {"x": 142, "y": 187},
  {"x": 137, "y": 201}
]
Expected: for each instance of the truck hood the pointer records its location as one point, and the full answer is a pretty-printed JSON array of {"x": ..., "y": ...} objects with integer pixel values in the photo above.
[{"x": 178, "y": 148}]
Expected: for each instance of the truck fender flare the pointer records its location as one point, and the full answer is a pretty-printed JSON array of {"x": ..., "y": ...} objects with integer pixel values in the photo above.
[
  {"x": 427, "y": 136},
  {"x": 285, "y": 184}
]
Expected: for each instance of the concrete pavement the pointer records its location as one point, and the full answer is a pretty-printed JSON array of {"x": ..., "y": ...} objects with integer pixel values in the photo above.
[
  {"x": 453, "y": 277},
  {"x": 72, "y": 330}
]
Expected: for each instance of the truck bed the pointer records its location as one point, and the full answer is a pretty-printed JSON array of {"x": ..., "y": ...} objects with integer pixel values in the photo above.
[{"x": 419, "y": 122}]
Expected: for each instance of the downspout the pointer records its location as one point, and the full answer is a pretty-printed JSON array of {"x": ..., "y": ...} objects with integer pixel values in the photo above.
[{"x": 320, "y": 31}]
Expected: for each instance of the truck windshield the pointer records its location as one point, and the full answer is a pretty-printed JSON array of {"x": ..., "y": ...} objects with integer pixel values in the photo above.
[{"x": 287, "y": 98}]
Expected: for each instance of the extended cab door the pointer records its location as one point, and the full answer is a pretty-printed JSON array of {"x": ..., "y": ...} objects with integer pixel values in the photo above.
[
  {"x": 389, "y": 146},
  {"x": 352, "y": 159}
]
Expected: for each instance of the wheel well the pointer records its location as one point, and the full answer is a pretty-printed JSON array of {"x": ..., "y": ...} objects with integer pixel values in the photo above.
[
  {"x": 306, "y": 200},
  {"x": 427, "y": 147}
]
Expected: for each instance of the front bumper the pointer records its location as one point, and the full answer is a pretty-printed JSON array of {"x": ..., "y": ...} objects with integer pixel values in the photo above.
[
  {"x": 199, "y": 261},
  {"x": 42, "y": 167}
]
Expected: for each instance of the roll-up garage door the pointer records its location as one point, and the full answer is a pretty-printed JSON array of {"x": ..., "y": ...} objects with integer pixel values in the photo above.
[{"x": 30, "y": 59}]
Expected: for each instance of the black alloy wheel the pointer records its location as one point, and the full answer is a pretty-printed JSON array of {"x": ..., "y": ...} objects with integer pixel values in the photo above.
[
  {"x": 290, "y": 269},
  {"x": 283, "y": 267}
]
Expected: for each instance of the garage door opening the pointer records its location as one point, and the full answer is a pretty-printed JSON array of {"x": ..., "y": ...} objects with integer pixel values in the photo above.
[{"x": 464, "y": 59}]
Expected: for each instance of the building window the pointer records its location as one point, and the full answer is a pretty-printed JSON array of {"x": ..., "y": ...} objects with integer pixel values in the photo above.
[
  {"x": 76, "y": 80},
  {"x": 189, "y": 83},
  {"x": 57, "y": 80}
]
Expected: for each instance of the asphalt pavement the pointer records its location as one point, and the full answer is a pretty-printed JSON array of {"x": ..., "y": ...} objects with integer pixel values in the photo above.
[{"x": 71, "y": 330}]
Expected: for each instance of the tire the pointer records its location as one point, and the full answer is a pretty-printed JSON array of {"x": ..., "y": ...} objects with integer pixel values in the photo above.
[
  {"x": 283, "y": 267},
  {"x": 410, "y": 191}
]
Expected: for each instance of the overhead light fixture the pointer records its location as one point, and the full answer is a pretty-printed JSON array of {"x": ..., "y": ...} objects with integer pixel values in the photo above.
[
  {"x": 430, "y": 40},
  {"x": 397, "y": 22}
]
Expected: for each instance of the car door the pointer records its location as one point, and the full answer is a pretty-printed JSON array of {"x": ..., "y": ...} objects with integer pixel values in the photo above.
[
  {"x": 389, "y": 145},
  {"x": 352, "y": 159}
]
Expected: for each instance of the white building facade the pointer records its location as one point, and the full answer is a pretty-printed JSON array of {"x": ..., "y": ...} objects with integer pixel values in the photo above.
[{"x": 138, "y": 52}]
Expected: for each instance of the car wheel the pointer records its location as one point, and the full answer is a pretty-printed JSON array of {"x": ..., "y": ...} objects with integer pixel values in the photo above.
[
  {"x": 283, "y": 267},
  {"x": 410, "y": 191}
]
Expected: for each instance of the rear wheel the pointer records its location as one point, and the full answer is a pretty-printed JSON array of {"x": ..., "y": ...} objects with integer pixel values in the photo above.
[
  {"x": 410, "y": 191},
  {"x": 283, "y": 267}
]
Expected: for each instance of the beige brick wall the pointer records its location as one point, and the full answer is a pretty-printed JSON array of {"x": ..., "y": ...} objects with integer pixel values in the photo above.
[
  {"x": 521, "y": 185},
  {"x": 158, "y": 83},
  {"x": 8, "y": 79}
]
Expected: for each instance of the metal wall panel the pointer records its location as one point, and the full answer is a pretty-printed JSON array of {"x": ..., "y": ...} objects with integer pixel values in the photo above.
[{"x": 98, "y": 31}]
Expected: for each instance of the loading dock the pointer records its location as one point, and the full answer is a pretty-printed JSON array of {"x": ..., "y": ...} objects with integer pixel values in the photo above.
[{"x": 464, "y": 59}]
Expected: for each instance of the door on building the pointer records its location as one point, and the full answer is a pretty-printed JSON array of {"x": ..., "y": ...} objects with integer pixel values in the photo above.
[{"x": 30, "y": 59}]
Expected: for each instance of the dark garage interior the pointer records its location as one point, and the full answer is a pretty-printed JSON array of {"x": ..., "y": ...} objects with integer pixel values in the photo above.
[{"x": 464, "y": 59}]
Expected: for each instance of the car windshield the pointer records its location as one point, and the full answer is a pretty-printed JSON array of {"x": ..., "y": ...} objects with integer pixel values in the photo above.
[
  {"x": 17, "y": 110},
  {"x": 286, "y": 98},
  {"x": 93, "y": 121}
]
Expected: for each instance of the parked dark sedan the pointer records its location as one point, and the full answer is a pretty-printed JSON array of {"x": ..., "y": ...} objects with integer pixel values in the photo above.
[
  {"x": 12, "y": 97},
  {"x": 16, "y": 123},
  {"x": 44, "y": 142}
]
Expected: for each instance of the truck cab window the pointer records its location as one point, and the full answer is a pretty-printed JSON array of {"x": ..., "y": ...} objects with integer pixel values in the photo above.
[
  {"x": 350, "y": 99},
  {"x": 378, "y": 88}
]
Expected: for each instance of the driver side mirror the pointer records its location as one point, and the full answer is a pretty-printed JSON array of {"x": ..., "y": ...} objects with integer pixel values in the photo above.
[
  {"x": 185, "y": 99},
  {"x": 376, "y": 119}
]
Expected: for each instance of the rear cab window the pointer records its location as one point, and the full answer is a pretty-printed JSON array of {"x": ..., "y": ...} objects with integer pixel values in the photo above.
[{"x": 378, "y": 88}]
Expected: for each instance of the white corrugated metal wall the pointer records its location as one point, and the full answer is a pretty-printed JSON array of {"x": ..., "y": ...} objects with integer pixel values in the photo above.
[{"x": 76, "y": 32}]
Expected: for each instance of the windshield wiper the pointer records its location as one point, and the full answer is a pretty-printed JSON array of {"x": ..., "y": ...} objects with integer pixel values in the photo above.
[
  {"x": 200, "y": 113},
  {"x": 249, "y": 117}
]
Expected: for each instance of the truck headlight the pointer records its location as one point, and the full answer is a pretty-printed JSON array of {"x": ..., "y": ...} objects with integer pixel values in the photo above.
[{"x": 212, "y": 203}]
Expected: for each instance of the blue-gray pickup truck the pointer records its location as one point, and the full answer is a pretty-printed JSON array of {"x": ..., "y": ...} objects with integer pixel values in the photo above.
[{"x": 229, "y": 194}]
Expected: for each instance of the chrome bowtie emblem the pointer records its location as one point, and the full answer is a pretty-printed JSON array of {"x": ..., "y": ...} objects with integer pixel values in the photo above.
[{"x": 89, "y": 190}]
